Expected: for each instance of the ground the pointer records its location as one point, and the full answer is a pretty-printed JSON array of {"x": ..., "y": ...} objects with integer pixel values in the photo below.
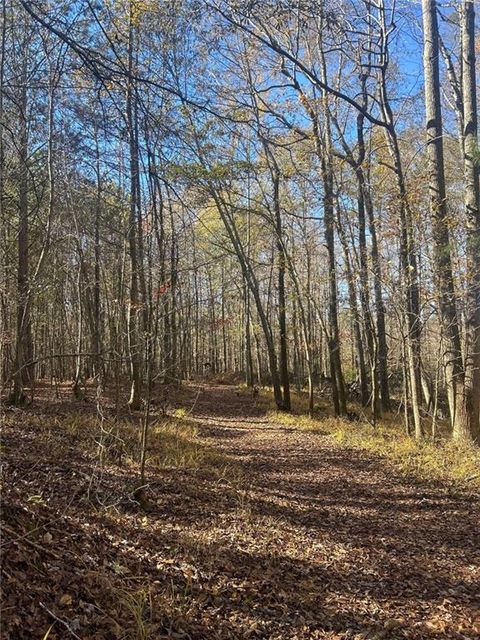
[{"x": 248, "y": 529}]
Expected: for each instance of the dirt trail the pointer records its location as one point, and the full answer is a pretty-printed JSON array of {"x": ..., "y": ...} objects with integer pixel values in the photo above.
[{"x": 345, "y": 541}]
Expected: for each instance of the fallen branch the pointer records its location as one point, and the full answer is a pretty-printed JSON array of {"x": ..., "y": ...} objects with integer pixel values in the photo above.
[
  {"x": 64, "y": 622},
  {"x": 24, "y": 538}
]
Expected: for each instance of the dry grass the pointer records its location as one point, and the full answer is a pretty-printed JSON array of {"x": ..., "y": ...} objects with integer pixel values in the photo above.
[
  {"x": 172, "y": 442},
  {"x": 442, "y": 460},
  {"x": 138, "y": 604},
  {"x": 175, "y": 443}
]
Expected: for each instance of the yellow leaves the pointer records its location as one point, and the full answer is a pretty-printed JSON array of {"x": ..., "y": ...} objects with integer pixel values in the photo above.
[
  {"x": 209, "y": 222},
  {"x": 133, "y": 9},
  {"x": 436, "y": 624},
  {"x": 139, "y": 8}
]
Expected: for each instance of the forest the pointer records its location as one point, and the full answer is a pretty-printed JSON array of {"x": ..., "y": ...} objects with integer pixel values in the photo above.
[{"x": 239, "y": 319}]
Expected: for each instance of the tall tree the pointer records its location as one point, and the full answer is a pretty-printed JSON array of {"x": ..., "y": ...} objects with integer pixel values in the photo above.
[
  {"x": 470, "y": 427},
  {"x": 24, "y": 369},
  {"x": 461, "y": 409},
  {"x": 135, "y": 343}
]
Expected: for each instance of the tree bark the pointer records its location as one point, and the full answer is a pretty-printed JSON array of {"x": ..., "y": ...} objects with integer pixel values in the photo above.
[
  {"x": 23, "y": 373},
  {"x": 134, "y": 340},
  {"x": 282, "y": 314},
  {"x": 470, "y": 427}
]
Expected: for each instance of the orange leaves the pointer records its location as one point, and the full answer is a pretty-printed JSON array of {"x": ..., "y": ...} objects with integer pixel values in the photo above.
[{"x": 164, "y": 288}]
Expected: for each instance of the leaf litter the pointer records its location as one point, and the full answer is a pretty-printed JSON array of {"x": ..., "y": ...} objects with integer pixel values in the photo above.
[{"x": 276, "y": 533}]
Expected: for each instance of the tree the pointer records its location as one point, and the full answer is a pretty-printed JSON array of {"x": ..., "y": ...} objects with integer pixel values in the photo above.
[
  {"x": 470, "y": 428},
  {"x": 463, "y": 413}
]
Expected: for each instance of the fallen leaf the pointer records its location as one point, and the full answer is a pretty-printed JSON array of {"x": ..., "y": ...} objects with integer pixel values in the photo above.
[{"x": 66, "y": 600}]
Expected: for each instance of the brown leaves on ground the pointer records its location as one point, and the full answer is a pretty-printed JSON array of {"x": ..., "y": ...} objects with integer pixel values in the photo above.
[{"x": 279, "y": 534}]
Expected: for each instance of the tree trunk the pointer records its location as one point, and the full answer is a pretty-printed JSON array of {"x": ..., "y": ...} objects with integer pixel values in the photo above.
[
  {"x": 97, "y": 336},
  {"x": 248, "y": 339},
  {"x": 282, "y": 315},
  {"x": 382, "y": 348},
  {"x": 454, "y": 373},
  {"x": 408, "y": 258},
  {"x": 356, "y": 321},
  {"x": 469, "y": 428},
  {"x": 23, "y": 374},
  {"x": 134, "y": 340}
]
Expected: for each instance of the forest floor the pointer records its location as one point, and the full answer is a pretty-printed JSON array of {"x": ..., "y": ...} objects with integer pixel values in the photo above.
[{"x": 248, "y": 529}]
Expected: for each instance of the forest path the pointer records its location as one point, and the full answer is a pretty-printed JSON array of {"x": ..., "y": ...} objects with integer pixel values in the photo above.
[
  {"x": 336, "y": 538},
  {"x": 253, "y": 530}
]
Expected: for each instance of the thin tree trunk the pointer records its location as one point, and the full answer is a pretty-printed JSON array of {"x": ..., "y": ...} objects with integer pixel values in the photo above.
[
  {"x": 282, "y": 314},
  {"x": 356, "y": 321},
  {"x": 248, "y": 339},
  {"x": 408, "y": 258},
  {"x": 382, "y": 348},
  {"x": 23, "y": 374},
  {"x": 97, "y": 337},
  {"x": 134, "y": 340}
]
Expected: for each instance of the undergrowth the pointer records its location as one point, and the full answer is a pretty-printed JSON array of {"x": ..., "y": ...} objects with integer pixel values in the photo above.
[
  {"x": 172, "y": 441},
  {"x": 443, "y": 460}
]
